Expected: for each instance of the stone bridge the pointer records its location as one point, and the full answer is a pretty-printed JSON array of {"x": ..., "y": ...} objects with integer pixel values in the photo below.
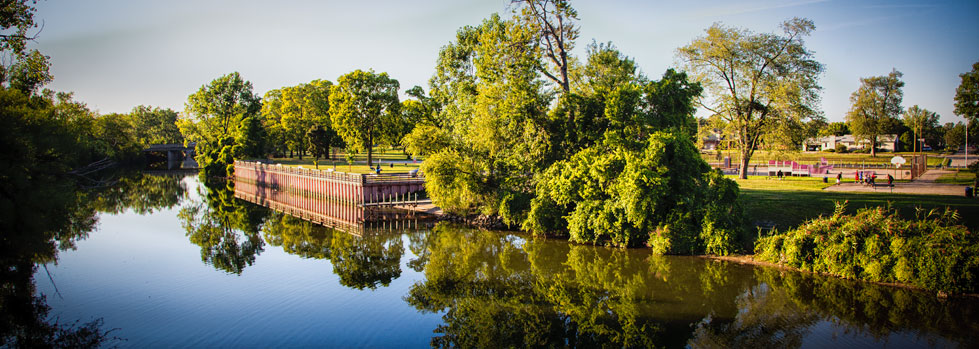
[{"x": 175, "y": 154}]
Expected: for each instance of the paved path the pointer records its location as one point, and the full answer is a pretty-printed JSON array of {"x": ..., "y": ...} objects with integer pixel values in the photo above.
[
  {"x": 922, "y": 185},
  {"x": 958, "y": 160}
]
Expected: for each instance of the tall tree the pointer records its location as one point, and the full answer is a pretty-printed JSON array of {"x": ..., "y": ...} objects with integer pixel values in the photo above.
[
  {"x": 921, "y": 121},
  {"x": 363, "y": 106},
  {"x": 756, "y": 81},
  {"x": 875, "y": 105},
  {"x": 967, "y": 100},
  {"x": 554, "y": 28},
  {"x": 215, "y": 113}
]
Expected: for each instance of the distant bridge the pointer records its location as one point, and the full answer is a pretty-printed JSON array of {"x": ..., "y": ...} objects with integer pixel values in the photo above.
[{"x": 175, "y": 154}]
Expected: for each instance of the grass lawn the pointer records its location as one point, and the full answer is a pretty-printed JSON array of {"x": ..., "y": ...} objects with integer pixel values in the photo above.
[
  {"x": 962, "y": 177},
  {"x": 384, "y": 156},
  {"x": 790, "y": 202},
  {"x": 812, "y": 157}
]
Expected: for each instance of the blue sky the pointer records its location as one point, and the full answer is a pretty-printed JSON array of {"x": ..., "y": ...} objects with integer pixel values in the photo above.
[{"x": 116, "y": 54}]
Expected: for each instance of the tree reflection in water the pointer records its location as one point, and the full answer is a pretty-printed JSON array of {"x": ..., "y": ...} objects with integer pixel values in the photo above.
[
  {"x": 361, "y": 262},
  {"x": 48, "y": 214},
  {"x": 500, "y": 290},
  {"x": 225, "y": 228}
]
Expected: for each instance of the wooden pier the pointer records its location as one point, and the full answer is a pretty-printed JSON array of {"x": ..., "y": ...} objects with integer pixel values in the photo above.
[{"x": 352, "y": 188}]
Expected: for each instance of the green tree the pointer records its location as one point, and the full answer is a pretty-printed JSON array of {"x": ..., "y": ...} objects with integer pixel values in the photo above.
[
  {"x": 303, "y": 106},
  {"x": 321, "y": 140},
  {"x": 921, "y": 122},
  {"x": 954, "y": 135},
  {"x": 493, "y": 109},
  {"x": 874, "y": 106},
  {"x": 215, "y": 115},
  {"x": 756, "y": 81},
  {"x": 364, "y": 106},
  {"x": 154, "y": 125},
  {"x": 835, "y": 129},
  {"x": 552, "y": 23},
  {"x": 967, "y": 95},
  {"x": 23, "y": 70}
]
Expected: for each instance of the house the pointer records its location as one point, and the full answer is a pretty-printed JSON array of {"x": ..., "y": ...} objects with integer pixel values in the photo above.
[
  {"x": 711, "y": 142},
  {"x": 888, "y": 142}
]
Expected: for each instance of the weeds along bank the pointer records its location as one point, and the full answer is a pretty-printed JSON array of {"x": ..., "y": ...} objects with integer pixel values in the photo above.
[{"x": 930, "y": 251}]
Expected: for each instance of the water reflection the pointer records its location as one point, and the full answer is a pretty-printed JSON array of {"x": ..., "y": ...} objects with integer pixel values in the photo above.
[
  {"x": 458, "y": 286},
  {"x": 367, "y": 261},
  {"x": 45, "y": 215},
  {"x": 226, "y": 229},
  {"x": 502, "y": 290}
]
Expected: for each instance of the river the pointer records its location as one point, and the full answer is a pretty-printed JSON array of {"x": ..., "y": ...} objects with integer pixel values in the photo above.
[{"x": 171, "y": 263}]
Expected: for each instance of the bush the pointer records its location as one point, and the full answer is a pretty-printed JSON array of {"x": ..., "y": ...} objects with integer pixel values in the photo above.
[
  {"x": 841, "y": 148},
  {"x": 931, "y": 251},
  {"x": 664, "y": 196}
]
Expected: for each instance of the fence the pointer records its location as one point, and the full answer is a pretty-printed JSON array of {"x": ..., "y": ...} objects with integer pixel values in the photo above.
[{"x": 353, "y": 188}]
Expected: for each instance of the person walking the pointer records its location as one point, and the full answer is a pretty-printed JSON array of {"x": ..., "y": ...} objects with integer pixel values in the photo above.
[{"x": 839, "y": 178}]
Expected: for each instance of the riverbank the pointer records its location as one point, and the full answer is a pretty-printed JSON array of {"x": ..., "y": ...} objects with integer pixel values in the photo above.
[{"x": 749, "y": 259}]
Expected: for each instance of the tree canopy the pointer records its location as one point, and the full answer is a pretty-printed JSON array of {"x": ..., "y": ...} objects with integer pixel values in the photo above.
[
  {"x": 756, "y": 82},
  {"x": 967, "y": 94},
  {"x": 219, "y": 119},
  {"x": 364, "y": 109},
  {"x": 875, "y": 106}
]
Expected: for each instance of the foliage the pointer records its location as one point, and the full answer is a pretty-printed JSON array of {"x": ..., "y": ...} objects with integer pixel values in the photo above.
[
  {"x": 360, "y": 262},
  {"x": 954, "y": 137},
  {"x": 493, "y": 126},
  {"x": 290, "y": 112},
  {"x": 875, "y": 244},
  {"x": 756, "y": 82},
  {"x": 155, "y": 125},
  {"x": 834, "y": 129},
  {"x": 552, "y": 23},
  {"x": 875, "y": 105},
  {"x": 217, "y": 119},
  {"x": 226, "y": 229},
  {"x": 924, "y": 124},
  {"x": 364, "y": 109},
  {"x": 664, "y": 196},
  {"x": 967, "y": 95}
]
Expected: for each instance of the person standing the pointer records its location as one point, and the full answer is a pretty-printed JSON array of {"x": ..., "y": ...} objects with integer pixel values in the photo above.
[{"x": 839, "y": 178}]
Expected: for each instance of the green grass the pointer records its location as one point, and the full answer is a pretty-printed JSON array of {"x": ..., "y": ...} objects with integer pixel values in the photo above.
[
  {"x": 790, "y": 202},
  {"x": 384, "y": 156},
  {"x": 962, "y": 177},
  {"x": 343, "y": 166}
]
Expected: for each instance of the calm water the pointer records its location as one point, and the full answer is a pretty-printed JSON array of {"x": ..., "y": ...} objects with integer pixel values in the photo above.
[{"x": 172, "y": 263}]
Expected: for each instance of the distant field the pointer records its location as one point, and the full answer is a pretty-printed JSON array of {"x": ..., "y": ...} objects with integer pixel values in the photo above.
[{"x": 812, "y": 157}]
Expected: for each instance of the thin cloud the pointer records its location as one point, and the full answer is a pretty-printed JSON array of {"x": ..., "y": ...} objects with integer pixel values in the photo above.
[{"x": 751, "y": 8}]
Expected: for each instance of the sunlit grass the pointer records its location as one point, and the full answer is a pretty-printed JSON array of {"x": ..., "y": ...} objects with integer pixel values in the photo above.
[
  {"x": 962, "y": 177},
  {"x": 794, "y": 200}
]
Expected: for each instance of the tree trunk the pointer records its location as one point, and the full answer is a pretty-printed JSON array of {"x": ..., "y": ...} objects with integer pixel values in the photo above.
[
  {"x": 370, "y": 156},
  {"x": 743, "y": 164},
  {"x": 873, "y": 146}
]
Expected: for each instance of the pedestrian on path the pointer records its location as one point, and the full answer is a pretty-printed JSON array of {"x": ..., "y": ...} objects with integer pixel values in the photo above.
[{"x": 839, "y": 178}]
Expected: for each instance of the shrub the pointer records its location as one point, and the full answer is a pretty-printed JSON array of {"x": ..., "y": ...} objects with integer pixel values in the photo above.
[
  {"x": 840, "y": 148},
  {"x": 931, "y": 251}
]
